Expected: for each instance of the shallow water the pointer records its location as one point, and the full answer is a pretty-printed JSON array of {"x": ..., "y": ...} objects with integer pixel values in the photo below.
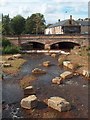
[{"x": 74, "y": 90}]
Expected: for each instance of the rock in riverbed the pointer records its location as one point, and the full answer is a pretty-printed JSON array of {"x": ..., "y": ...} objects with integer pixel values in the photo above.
[
  {"x": 86, "y": 73},
  {"x": 46, "y": 63},
  {"x": 17, "y": 56},
  {"x": 2, "y": 62},
  {"x": 66, "y": 63},
  {"x": 29, "y": 102},
  {"x": 29, "y": 91},
  {"x": 59, "y": 104},
  {"x": 38, "y": 71},
  {"x": 10, "y": 58},
  {"x": 7, "y": 65},
  {"x": 57, "y": 80},
  {"x": 66, "y": 74},
  {"x": 70, "y": 65},
  {"x": 53, "y": 55}
]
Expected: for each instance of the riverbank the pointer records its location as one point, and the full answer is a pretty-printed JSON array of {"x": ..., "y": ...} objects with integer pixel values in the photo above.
[
  {"x": 78, "y": 56},
  {"x": 15, "y": 64}
]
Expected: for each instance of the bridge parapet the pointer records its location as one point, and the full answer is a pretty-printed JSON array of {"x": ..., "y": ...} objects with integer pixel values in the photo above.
[{"x": 52, "y": 39}]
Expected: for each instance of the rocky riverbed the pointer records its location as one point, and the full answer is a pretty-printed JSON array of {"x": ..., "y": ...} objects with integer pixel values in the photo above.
[{"x": 74, "y": 90}]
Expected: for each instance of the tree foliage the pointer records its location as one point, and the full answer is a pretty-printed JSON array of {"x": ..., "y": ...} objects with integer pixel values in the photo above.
[
  {"x": 5, "y": 43},
  {"x": 6, "y": 25},
  {"x": 18, "y": 24},
  {"x": 35, "y": 24}
]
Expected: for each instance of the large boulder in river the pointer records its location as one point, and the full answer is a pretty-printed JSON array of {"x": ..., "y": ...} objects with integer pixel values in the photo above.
[
  {"x": 17, "y": 56},
  {"x": 46, "y": 63},
  {"x": 59, "y": 104},
  {"x": 66, "y": 74},
  {"x": 70, "y": 65},
  {"x": 86, "y": 73},
  {"x": 61, "y": 59},
  {"x": 38, "y": 71},
  {"x": 66, "y": 63},
  {"x": 57, "y": 80},
  {"x": 29, "y": 91},
  {"x": 29, "y": 102}
]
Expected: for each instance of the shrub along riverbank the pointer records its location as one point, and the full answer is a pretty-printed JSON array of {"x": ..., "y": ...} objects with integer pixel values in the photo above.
[{"x": 8, "y": 48}]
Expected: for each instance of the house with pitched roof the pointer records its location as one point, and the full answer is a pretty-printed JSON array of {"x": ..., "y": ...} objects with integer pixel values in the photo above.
[{"x": 68, "y": 26}]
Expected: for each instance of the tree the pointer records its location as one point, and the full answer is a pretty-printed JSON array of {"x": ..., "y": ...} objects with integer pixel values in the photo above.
[
  {"x": 18, "y": 25},
  {"x": 48, "y": 25},
  {"x": 6, "y": 26},
  {"x": 35, "y": 24}
]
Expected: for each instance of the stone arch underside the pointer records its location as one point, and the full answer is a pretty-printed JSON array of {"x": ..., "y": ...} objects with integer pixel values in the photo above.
[
  {"x": 32, "y": 46},
  {"x": 64, "y": 45}
]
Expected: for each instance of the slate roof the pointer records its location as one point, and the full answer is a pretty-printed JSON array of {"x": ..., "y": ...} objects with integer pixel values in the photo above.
[
  {"x": 61, "y": 23},
  {"x": 84, "y": 23}
]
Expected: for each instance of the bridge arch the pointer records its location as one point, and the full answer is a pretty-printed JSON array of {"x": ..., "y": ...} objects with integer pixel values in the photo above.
[
  {"x": 30, "y": 45},
  {"x": 64, "y": 45}
]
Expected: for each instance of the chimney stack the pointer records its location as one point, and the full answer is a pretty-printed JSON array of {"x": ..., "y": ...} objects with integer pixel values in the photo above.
[
  {"x": 70, "y": 17},
  {"x": 58, "y": 20}
]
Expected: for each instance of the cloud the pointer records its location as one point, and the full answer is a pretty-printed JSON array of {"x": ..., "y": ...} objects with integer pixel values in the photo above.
[
  {"x": 52, "y": 10},
  {"x": 68, "y": 1}
]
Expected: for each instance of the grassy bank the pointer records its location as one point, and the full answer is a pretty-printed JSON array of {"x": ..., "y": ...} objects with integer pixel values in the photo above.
[
  {"x": 15, "y": 65},
  {"x": 80, "y": 57}
]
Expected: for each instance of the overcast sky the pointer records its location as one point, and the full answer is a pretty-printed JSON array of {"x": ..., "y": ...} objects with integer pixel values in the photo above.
[{"x": 51, "y": 9}]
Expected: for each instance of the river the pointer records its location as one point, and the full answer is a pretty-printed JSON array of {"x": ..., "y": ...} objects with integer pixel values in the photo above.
[{"x": 74, "y": 90}]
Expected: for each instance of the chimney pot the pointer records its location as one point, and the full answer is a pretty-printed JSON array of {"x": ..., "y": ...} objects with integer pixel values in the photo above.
[
  {"x": 58, "y": 20},
  {"x": 70, "y": 17}
]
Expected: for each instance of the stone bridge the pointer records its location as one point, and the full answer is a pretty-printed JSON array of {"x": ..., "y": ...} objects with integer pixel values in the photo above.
[{"x": 49, "y": 41}]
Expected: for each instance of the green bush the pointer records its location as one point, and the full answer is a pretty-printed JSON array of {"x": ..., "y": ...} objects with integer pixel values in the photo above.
[
  {"x": 5, "y": 42},
  {"x": 10, "y": 50}
]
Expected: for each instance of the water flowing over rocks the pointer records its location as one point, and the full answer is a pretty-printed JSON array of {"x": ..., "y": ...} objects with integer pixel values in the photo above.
[
  {"x": 29, "y": 102},
  {"x": 59, "y": 104}
]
